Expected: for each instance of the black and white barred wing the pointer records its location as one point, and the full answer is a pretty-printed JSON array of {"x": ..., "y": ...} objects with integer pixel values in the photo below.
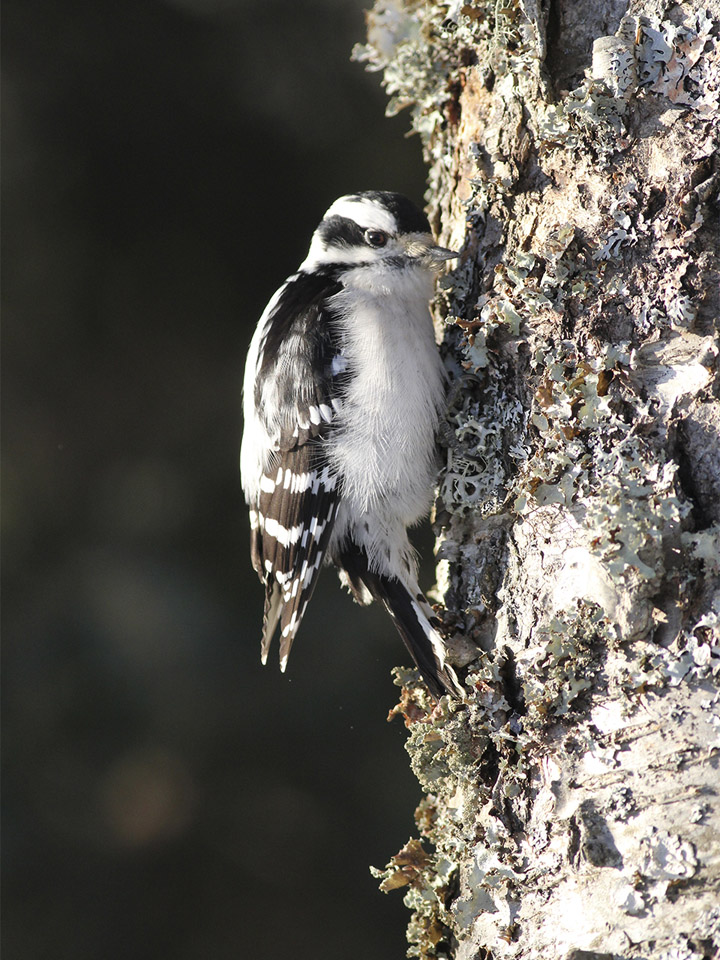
[
  {"x": 293, "y": 496},
  {"x": 295, "y": 517}
]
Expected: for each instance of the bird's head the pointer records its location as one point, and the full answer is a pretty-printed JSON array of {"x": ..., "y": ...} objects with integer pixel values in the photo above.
[{"x": 375, "y": 228}]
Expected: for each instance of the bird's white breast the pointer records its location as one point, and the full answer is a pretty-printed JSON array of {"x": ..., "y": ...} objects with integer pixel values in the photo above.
[{"x": 384, "y": 447}]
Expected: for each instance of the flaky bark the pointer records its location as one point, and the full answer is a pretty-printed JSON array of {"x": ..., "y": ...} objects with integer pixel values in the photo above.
[{"x": 571, "y": 804}]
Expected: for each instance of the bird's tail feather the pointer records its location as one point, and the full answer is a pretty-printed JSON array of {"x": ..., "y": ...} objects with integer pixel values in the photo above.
[
  {"x": 413, "y": 617},
  {"x": 271, "y": 616}
]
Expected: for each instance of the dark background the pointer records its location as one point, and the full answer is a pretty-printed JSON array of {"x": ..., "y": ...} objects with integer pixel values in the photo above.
[{"x": 165, "y": 162}]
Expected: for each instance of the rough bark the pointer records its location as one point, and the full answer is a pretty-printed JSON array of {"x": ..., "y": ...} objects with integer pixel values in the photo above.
[{"x": 571, "y": 804}]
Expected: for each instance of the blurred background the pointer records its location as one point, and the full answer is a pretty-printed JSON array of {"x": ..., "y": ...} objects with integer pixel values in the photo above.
[{"x": 165, "y": 162}]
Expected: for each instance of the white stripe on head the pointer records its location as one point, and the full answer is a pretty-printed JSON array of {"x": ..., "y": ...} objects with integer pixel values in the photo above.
[{"x": 368, "y": 214}]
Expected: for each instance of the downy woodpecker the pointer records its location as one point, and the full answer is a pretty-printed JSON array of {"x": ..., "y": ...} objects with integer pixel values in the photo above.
[{"x": 343, "y": 392}]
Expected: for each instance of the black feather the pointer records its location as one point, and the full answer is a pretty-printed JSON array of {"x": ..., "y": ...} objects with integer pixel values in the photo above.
[
  {"x": 408, "y": 617},
  {"x": 298, "y": 497},
  {"x": 296, "y": 358}
]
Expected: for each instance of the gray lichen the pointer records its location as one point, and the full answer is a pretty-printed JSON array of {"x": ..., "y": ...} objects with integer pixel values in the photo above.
[{"x": 571, "y": 802}]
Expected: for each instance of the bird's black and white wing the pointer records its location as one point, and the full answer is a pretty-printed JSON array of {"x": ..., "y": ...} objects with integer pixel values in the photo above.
[{"x": 293, "y": 387}]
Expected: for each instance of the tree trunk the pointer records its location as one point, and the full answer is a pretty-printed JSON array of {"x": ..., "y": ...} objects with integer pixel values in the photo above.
[{"x": 571, "y": 804}]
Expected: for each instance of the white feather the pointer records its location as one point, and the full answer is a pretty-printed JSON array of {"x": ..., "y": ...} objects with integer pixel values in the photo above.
[
  {"x": 384, "y": 447},
  {"x": 367, "y": 213}
]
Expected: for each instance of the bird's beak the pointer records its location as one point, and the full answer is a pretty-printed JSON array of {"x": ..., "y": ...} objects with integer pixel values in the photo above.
[
  {"x": 442, "y": 253},
  {"x": 422, "y": 247}
]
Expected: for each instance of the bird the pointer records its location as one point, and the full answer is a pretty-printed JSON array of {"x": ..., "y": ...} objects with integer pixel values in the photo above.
[{"x": 343, "y": 392}]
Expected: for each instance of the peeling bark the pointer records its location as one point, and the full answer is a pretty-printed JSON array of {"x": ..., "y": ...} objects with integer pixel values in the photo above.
[{"x": 571, "y": 804}]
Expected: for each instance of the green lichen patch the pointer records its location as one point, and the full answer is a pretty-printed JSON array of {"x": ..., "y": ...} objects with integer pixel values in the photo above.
[{"x": 573, "y": 646}]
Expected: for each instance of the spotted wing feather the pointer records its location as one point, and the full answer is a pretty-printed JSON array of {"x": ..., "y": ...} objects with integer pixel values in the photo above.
[
  {"x": 296, "y": 521},
  {"x": 296, "y": 389},
  {"x": 297, "y": 395}
]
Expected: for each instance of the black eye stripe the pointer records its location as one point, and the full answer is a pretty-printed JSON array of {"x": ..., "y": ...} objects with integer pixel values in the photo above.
[{"x": 338, "y": 232}]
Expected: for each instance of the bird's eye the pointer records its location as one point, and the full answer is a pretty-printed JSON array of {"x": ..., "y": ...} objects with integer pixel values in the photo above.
[{"x": 376, "y": 238}]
